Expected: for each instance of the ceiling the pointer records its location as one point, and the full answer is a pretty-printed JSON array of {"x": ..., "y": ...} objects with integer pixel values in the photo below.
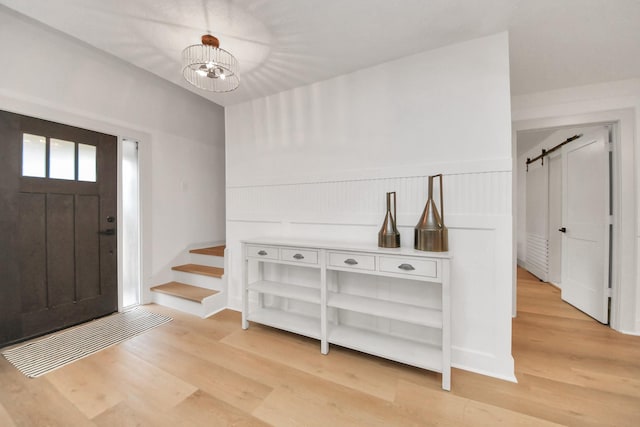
[
  {"x": 529, "y": 139},
  {"x": 282, "y": 44}
]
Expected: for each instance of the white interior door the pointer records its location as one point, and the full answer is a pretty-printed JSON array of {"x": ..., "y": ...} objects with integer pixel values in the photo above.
[{"x": 585, "y": 213}]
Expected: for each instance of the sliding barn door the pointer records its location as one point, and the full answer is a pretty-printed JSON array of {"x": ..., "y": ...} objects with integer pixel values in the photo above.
[
  {"x": 537, "y": 219},
  {"x": 58, "y": 258}
]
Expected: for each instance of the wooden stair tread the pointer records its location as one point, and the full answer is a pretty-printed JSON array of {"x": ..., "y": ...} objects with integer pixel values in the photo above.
[
  {"x": 213, "y": 251},
  {"x": 204, "y": 270},
  {"x": 182, "y": 290}
]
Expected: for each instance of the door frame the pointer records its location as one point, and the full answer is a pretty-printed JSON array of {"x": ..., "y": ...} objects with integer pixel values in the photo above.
[
  {"x": 552, "y": 231},
  {"x": 623, "y": 294},
  {"x": 78, "y": 119}
]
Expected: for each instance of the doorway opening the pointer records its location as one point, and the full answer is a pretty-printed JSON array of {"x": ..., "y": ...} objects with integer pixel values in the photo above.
[{"x": 565, "y": 212}]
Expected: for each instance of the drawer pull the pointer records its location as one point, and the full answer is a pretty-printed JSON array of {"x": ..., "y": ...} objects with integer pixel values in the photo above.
[
  {"x": 263, "y": 253},
  {"x": 350, "y": 261},
  {"x": 298, "y": 256},
  {"x": 407, "y": 267}
]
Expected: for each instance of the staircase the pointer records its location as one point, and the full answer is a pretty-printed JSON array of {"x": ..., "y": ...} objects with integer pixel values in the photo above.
[{"x": 198, "y": 287}]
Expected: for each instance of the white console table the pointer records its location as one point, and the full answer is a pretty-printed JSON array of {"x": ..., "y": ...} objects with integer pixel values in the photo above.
[{"x": 399, "y": 298}]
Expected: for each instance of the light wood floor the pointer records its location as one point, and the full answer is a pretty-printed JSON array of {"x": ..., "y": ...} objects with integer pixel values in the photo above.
[{"x": 192, "y": 372}]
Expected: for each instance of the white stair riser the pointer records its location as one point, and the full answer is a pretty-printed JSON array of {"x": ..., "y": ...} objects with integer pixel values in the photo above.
[
  {"x": 180, "y": 304},
  {"x": 208, "y": 307},
  {"x": 200, "y": 280},
  {"x": 209, "y": 260}
]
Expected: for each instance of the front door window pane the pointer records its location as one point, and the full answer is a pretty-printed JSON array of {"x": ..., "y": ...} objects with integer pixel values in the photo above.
[
  {"x": 86, "y": 163},
  {"x": 34, "y": 155},
  {"x": 62, "y": 159}
]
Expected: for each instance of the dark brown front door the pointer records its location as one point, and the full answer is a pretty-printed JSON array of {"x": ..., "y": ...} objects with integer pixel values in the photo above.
[{"x": 58, "y": 259}]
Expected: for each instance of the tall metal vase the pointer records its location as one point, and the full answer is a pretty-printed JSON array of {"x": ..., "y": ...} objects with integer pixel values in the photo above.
[
  {"x": 388, "y": 236},
  {"x": 430, "y": 232}
]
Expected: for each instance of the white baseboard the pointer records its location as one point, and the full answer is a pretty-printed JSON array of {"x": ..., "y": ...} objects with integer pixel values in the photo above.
[
  {"x": 234, "y": 304},
  {"x": 483, "y": 364},
  {"x": 634, "y": 333}
]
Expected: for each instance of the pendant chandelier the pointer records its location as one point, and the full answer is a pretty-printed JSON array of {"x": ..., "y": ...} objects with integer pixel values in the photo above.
[{"x": 208, "y": 67}]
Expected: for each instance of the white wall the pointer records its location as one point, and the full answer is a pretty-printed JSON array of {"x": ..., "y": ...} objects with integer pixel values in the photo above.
[
  {"x": 606, "y": 102},
  {"x": 48, "y": 75},
  {"x": 316, "y": 162}
]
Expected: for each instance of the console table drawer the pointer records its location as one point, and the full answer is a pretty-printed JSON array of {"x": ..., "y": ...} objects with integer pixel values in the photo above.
[
  {"x": 299, "y": 255},
  {"x": 267, "y": 252},
  {"x": 350, "y": 260},
  {"x": 410, "y": 266}
]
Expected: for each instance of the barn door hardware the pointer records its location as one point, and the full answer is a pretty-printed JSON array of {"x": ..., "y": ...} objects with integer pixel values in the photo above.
[{"x": 547, "y": 152}]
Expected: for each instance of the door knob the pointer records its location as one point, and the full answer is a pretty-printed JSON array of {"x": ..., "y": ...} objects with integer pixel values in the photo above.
[
  {"x": 562, "y": 230},
  {"x": 108, "y": 232}
]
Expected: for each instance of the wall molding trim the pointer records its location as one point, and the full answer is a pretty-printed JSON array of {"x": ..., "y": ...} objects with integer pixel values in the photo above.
[
  {"x": 416, "y": 170},
  {"x": 405, "y": 221},
  {"x": 556, "y": 112}
]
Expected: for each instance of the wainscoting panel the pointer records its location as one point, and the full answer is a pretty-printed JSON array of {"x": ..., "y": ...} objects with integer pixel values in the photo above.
[
  {"x": 477, "y": 212},
  {"x": 363, "y": 201}
]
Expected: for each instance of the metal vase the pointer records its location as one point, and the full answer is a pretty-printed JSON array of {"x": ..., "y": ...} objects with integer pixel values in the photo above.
[
  {"x": 388, "y": 236},
  {"x": 430, "y": 232}
]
